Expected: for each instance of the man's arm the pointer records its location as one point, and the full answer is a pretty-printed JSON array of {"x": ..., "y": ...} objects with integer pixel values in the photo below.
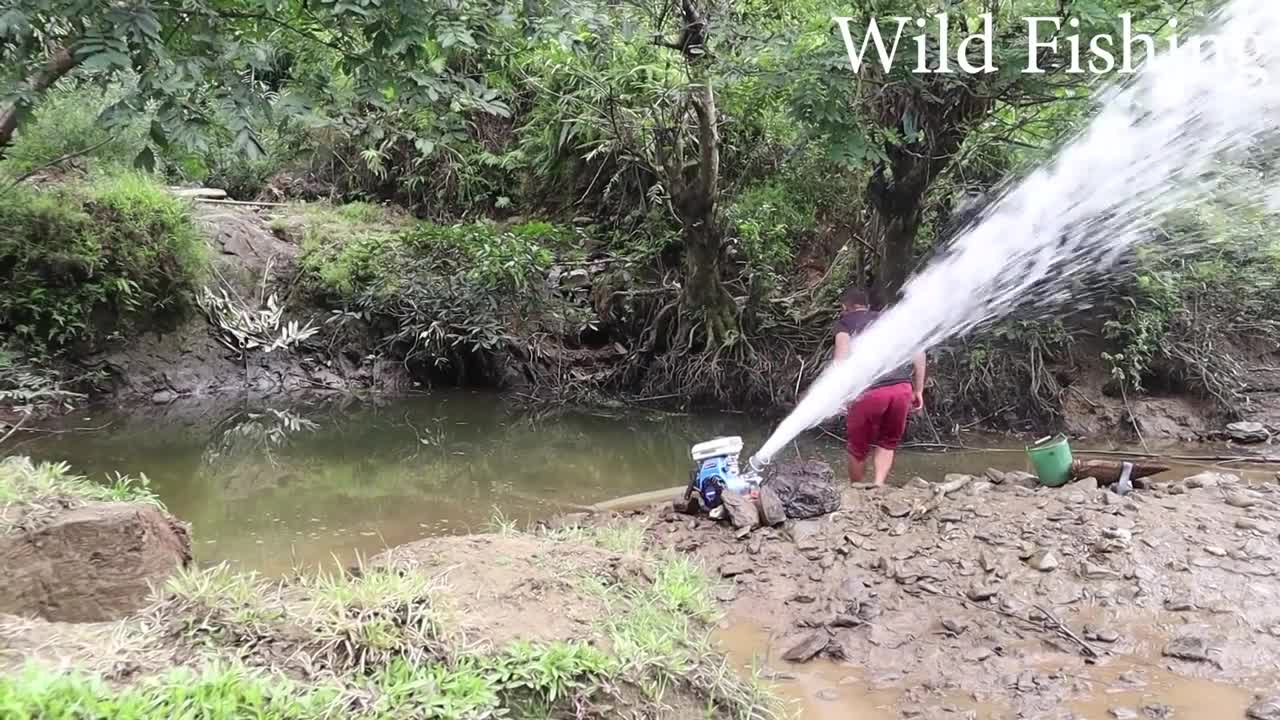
[
  {"x": 917, "y": 380},
  {"x": 842, "y": 345}
]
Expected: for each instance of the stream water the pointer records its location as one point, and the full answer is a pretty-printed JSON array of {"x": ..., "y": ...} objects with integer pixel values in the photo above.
[
  {"x": 270, "y": 486},
  {"x": 273, "y": 487}
]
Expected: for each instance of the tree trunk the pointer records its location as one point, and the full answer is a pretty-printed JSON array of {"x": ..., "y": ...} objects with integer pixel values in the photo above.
[
  {"x": 704, "y": 293},
  {"x": 59, "y": 64},
  {"x": 897, "y": 236}
]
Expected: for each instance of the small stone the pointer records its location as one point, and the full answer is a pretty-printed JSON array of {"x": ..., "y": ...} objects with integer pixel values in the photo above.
[
  {"x": 1241, "y": 500},
  {"x": 1044, "y": 561},
  {"x": 1021, "y": 479},
  {"x": 1156, "y": 711},
  {"x": 1267, "y": 708},
  {"x": 955, "y": 627},
  {"x": 828, "y": 695},
  {"x": 1191, "y": 648},
  {"x": 918, "y": 483},
  {"x": 1176, "y": 489},
  {"x": 977, "y": 654},
  {"x": 1102, "y": 635},
  {"x": 1178, "y": 605},
  {"x": 997, "y": 477},
  {"x": 1248, "y": 432},
  {"x": 1123, "y": 713},
  {"x": 162, "y": 397},
  {"x": 734, "y": 566},
  {"x": 1088, "y": 484},
  {"x": 807, "y": 647},
  {"x": 979, "y": 593},
  {"x": 1211, "y": 480},
  {"x": 727, "y": 594},
  {"x": 1215, "y": 551},
  {"x": 980, "y": 487},
  {"x": 895, "y": 509},
  {"x": 1094, "y": 571},
  {"x": 1253, "y": 525}
]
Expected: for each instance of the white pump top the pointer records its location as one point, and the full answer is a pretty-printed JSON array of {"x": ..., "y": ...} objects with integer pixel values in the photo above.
[{"x": 720, "y": 447}]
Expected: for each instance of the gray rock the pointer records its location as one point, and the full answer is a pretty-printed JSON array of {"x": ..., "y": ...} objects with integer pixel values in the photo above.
[
  {"x": 808, "y": 534},
  {"x": 1022, "y": 479},
  {"x": 1191, "y": 648},
  {"x": 977, "y": 654},
  {"x": 1044, "y": 561},
  {"x": 807, "y": 647},
  {"x": 1088, "y": 484},
  {"x": 736, "y": 565},
  {"x": 1102, "y": 635},
  {"x": 807, "y": 488},
  {"x": 1123, "y": 713},
  {"x": 1211, "y": 480},
  {"x": 979, "y": 593},
  {"x": 772, "y": 511},
  {"x": 743, "y": 512},
  {"x": 163, "y": 397},
  {"x": 828, "y": 695},
  {"x": 1156, "y": 711},
  {"x": 979, "y": 487},
  {"x": 1238, "y": 499},
  {"x": 918, "y": 483},
  {"x": 1248, "y": 432},
  {"x": 1215, "y": 551},
  {"x": 997, "y": 477},
  {"x": 1253, "y": 525},
  {"x": 728, "y": 593},
  {"x": 895, "y": 509},
  {"x": 1267, "y": 708}
]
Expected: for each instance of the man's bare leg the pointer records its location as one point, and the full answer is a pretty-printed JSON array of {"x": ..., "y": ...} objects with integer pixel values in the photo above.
[
  {"x": 856, "y": 469},
  {"x": 881, "y": 461}
]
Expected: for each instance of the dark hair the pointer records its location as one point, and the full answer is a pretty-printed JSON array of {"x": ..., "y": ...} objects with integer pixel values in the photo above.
[{"x": 854, "y": 297}]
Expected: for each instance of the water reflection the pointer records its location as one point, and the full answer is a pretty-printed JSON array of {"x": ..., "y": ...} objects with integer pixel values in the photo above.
[{"x": 270, "y": 486}]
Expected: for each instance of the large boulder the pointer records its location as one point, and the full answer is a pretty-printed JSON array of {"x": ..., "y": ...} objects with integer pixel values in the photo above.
[
  {"x": 1248, "y": 432},
  {"x": 91, "y": 563},
  {"x": 807, "y": 488}
]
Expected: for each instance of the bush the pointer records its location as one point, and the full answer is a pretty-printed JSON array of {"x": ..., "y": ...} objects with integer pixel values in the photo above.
[
  {"x": 82, "y": 262},
  {"x": 769, "y": 219},
  {"x": 67, "y": 121}
]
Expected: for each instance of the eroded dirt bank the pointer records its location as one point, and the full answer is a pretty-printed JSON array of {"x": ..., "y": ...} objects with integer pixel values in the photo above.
[{"x": 1010, "y": 600}]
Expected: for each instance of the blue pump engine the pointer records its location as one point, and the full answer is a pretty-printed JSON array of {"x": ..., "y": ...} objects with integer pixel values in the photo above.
[{"x": 715, "y": 469}]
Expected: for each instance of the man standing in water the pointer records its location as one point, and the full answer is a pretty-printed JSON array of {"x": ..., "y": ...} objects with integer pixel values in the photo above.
[{"x": 878, "y": 418}]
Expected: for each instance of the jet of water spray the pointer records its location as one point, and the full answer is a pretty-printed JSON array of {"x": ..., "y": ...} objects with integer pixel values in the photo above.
[{"x": 1153, "y": 147}]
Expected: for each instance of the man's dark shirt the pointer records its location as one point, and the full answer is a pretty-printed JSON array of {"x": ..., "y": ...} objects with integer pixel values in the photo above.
[{"x": 854, "y": 322}]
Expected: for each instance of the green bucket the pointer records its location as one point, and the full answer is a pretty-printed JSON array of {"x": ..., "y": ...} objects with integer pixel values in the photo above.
[{"x": 1051, "y": 458}]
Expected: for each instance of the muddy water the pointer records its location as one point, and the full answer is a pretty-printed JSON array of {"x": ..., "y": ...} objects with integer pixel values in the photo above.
[
  {"x": 826, "y": 690},
  {"x": 271, "y": 486}
]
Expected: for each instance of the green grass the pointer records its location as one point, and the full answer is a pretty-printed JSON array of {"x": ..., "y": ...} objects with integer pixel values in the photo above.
[
  {"x": 24, "y": 481},
  {"x": 219, "y": 692},
  {"x": 86, "y": 262}
]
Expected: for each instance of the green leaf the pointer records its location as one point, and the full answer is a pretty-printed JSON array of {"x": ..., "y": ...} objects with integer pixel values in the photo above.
[{"x": 146, "y": 160}]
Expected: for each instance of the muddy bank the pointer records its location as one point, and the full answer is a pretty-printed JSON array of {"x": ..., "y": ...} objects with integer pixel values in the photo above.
[
  {"x": 251, "y": 263},
  {"x": 571, "y": 623},
  {"x": 66, "y": 562},
  {"x": 1010, "y": 600}
]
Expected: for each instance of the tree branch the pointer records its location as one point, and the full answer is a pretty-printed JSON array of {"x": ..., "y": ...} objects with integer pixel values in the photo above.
[{"x": 61, "y": 62}]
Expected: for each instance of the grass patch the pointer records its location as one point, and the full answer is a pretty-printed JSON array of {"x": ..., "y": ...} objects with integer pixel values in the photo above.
[
  {"x": 216, "y": 692},
  {"x": 30, "y": 491},
  {"x": 83, "y": 263}
]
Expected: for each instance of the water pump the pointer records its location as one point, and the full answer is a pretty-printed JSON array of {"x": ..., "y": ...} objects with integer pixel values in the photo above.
[{"x": 715, "y": 470}]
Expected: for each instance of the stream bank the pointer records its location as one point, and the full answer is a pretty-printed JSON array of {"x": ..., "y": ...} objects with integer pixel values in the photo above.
[
  {"x": 1010, "y": 600},
  {"x": 563, "y": 623}
]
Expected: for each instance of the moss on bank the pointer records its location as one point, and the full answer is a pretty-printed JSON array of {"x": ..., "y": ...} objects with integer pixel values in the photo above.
[
  {"x": 84, "y": 262},
  {"x": 444, "y": 628}
]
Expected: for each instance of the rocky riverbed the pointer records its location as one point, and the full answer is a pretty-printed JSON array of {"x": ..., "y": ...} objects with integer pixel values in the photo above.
[{"x": 1006, "y": 599}]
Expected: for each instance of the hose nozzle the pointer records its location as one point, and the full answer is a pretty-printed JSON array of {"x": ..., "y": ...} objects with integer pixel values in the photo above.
[{"x": 757, "y": 464}]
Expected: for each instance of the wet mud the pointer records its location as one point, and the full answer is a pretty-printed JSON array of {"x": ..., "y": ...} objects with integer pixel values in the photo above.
[{"x": 1004, "y": 599}]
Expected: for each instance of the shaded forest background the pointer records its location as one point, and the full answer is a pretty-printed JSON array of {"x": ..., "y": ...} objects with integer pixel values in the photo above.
[{"x": 582, "y": 201}]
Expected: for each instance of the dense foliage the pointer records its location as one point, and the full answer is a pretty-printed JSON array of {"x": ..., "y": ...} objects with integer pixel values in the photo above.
[{"x": 722, "y": 155}]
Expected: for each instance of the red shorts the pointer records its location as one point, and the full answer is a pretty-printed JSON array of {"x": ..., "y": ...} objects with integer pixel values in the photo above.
[{"x": 878, "y": 418}]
